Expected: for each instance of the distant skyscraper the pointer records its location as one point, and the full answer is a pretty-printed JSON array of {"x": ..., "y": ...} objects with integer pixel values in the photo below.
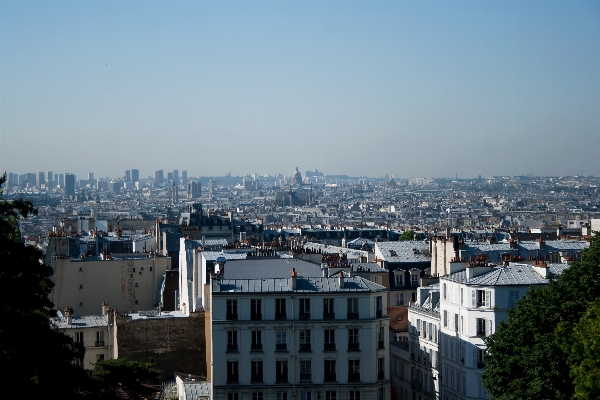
[
  {"x": 184, "y": 180},
  {"x": 61, "y": 180},
  {"x": 90, "y": 177},
  {"x": 127, "y": 175},
  {"x": 31, "y": 179},
  {"x": 69, "y": 184},
  {"x": 50, "y": 181},
  {"x": 135, "y": 175},
  {"x": 194, "y": 190},
  {"x": 41, "y": 179},
  {"x": 158, "y": 177},
  {"x": 176, "y": 177},
  {"x": 169, "y": 177}
]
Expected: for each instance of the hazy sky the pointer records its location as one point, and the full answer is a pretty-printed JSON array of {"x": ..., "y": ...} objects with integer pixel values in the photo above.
[{"x": 411, "y": 88}]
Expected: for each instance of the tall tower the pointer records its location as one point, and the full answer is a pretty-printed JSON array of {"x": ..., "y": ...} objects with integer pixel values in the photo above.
[
  {"x": 69, "y": 184},
  {"x": 135, "y": 175},
  {"x": 176, "y": 177},
  {"x": 41, "y": 179},
  {"x": 127, "y": 175},
  {"x": 158, "y": 177},
  {"x": 184, "y": 179}
]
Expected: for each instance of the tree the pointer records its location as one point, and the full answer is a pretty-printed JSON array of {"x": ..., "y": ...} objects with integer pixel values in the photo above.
[
  {"x": 407, "y": 236},
  {"x": 110, "y": 375},
  {"x": 35, "y": 357},
  {"x": 582, "y": 344},
  {"x": 523, "y": 358}
]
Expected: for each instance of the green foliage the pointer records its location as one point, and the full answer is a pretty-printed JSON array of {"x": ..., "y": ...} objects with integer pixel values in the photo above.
[
  {"x": 34, "y": 356},
  {"x": 407, "y": 236},
  {"x": 109, "y": 375},
  {"x": 524, "y": 360},
  {"x": 582, "y": 344}
]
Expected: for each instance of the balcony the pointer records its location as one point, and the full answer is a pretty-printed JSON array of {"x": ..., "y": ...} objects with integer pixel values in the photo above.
[
  {"x": 328, "y": 315},
  {"x": 353, "y": 347},
  {"x": 233, "y": 379},
  {"x": 380, "y": 344},
  {"x": 281, "y": 347},
  {"x": 305, "y": 377},
  {"x": 256, "y": 379},
  {"x": 353, "y": 377},
  {"x": 352, "y": 315},
  {"x": 255, "y": 317},
  {"x": 256, "y": 347},
  {"x": 99, "y": 343},
  {"x": 280, "y": 316},
  {"x": 304, "y": 316},
  {"x": 281, "y": 378},
  {"x": 232, "y": 347},
  {"x": 304, "y": 347},
  {"x": 378, "y": 314},
  {"x": 329, "y": 378},
  {"x": 380, "y": 375},
  {"x": 329, "y": 347},
  {"x": 231, "y": 317}
]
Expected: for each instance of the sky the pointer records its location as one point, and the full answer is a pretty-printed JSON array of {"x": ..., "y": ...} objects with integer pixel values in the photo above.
[{"x": 405, "y": 88}]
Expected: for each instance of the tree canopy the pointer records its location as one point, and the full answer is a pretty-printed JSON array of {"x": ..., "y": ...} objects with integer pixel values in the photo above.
[
  {"x": 524, "y": 359},
  {"x": 128, "y": 375},
  {"x": 406, "y": 236}
]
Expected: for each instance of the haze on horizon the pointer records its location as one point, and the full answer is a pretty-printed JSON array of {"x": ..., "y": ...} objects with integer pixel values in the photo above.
[{"x": 409, "y": 88}]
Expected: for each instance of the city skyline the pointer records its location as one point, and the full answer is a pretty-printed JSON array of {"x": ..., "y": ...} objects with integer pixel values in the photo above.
[{"x": 359, "y": 88}]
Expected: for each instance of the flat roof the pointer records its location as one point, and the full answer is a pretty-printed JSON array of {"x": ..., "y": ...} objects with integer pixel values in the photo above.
[{"x": 252, "y": 268}]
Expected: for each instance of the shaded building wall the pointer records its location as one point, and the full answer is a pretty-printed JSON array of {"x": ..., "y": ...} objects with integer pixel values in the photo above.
[{"x": 174, "y": 344}]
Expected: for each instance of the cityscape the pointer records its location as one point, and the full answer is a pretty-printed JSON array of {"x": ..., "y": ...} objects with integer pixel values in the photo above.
[{"x": 300, "y": 284}]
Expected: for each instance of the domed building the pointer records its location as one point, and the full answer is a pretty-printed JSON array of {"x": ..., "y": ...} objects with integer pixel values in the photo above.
[{"x": 297, "y": 177}]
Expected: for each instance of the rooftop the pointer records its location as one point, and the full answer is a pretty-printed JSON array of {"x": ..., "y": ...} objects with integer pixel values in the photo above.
[
  {"x": 303, "y": 285},
  {"x": 510, "y": 275}
]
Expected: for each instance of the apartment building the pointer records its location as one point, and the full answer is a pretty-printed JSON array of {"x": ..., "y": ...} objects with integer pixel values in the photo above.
[{"x": 299, "y": 337}]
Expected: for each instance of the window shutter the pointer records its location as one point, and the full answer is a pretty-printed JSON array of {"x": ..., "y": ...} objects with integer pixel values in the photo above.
[
  {"x": 488, "y": 298},
  {"x": 488, "y": 327},
  {"x": 473, "y": 298},
  {"x": 511, "y": 299},
  {"x": 475, "y": 358}
]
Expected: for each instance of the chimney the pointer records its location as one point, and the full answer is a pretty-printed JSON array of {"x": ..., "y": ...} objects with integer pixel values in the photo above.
[
  {"x": 541, "y": 267},
  {"x": 293, "y": 279},
  {"x": 341, "y": 279},
  {"x": 68, "y": 316},
  {"x": 105, "y": 308}
]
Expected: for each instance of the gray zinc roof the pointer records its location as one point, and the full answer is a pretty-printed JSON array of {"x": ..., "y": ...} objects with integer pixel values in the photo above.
[
  {"x": 303, "y": 285},
  {"x": 409, "y": 251},
  {"x": 511, "y": 275},
  {"x": 79, "y": 322}
]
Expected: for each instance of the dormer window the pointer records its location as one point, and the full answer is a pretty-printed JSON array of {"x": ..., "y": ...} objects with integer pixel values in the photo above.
[{"x": 399, "y": 277}]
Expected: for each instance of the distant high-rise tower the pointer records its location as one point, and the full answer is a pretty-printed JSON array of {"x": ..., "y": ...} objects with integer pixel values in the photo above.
[
  {"x": 90, "y": 177},
  {"x": 184, "y": 180},
  {"x": 158, "y": 177},
  {"x": 194, "y": 190},
  {"x": 61, "y": 180},
  {"x": 127, "y": 175},
  {"x": 50, "y": 181},
  {"x": 41, "y": 179},
  {"x": 135, "y": 175},
  {"x": 176, "y": 177},
  {"x": 175, "y": 194},
  {"x": 69, "y": 184}
]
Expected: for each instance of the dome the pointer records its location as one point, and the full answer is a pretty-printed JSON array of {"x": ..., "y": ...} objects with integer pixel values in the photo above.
[{"x": 297, "y": 177}]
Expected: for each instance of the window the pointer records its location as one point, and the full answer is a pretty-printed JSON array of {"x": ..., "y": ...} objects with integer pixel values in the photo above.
[
  {"x": 378, "y": 306},
  {"x": 380, "y": 337},
  {"x": 305, "y": 370},
  {"x": 381, "y": 393},
  {"x": 99, "y": 338},
  {"x": 232, "y": 341},
  {"x": 305, "y": 340},
  {"x": 257, "y": 395},
  {"x": 304, "y": 309},
  {"x": 328, "y": 310},
  {"x": 256, "y": 341},
  {"x": 256, "y": 374},
  {"x": 280, "y": 309},
  {"x": 414, "y": 278},
  {"x": 78, "y": 337},
  {"x": 353, "y": 308},
  {"x": 400, "y": 299},
  {"x": 99, "y": 357},
  {"x": 329, "y": 340},
  {"x": 381, "y": 368},
  {"x": 306, "y": 395},
  {"x": 445, "y": 318},
  {"x": 462, "y": 299},
  {"x": 330, "y": 395},
  {"x": 232, "y": 313},
  {"x": 329, "y": 371},
  {"x": 444, "y": 290},
  {"x": 232, "y": 396},
  {"x": 513, "y": 297},
  {"x": 255, "y": 310},
  {"x": 282, "y": 396},
  {"x": 481, "y": 327},
  {"x": 353, "y": 370},
  {"x": 152, "y": 361},
  {"x": 353, "y": 344},
  {"x": 281, "y": 344},
  {"x": 456, "y": 322},
  {"x": 481, "y": 298},
  {"x": 354, "y": 394},
  {"x": 281, "y": 371},
  {"x": 232, "y": 372},
  {"x": 399, "y": 277}
]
